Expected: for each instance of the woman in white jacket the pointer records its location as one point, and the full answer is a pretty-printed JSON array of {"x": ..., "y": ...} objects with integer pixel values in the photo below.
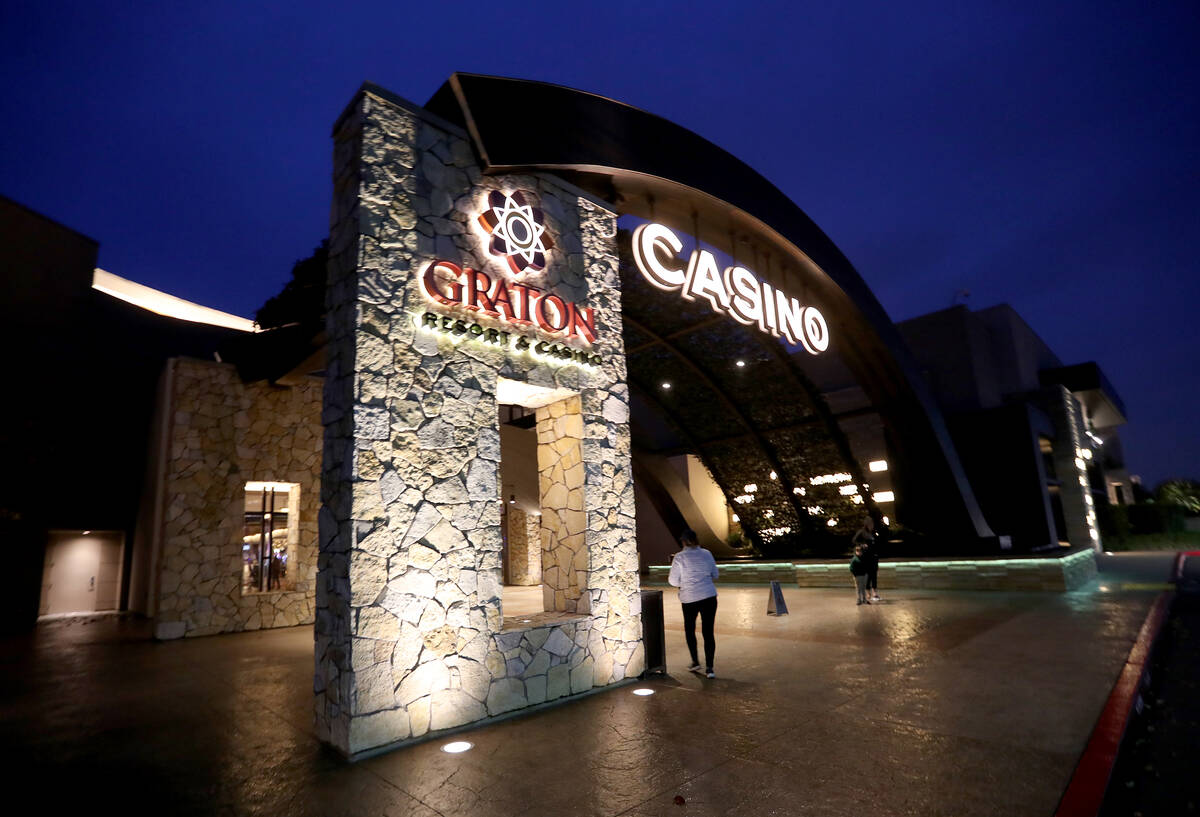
[{"x": 693, "y": 571}]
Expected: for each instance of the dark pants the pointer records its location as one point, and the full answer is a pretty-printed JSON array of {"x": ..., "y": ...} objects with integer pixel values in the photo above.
[
  {"x": 873, "y": 581},
  {"x": 707, "y": 608}
]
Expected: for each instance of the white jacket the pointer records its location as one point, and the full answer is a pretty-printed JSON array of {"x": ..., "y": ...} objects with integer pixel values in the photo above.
[{"x": 693, "y": 571}]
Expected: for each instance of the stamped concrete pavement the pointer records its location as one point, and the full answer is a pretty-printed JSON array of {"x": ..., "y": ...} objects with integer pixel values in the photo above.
[{"x": 930, "y": 703}]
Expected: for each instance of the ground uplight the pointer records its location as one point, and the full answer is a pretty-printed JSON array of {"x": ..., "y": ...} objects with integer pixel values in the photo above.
[
  {"x": 643, "y": 691},
  {"x": 457, "y": 747}
]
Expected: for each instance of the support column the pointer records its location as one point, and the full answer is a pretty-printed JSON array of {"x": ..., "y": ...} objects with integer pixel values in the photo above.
[
  {"x": 564, "y": 523},
  {"x": 1075, "y": 491}
]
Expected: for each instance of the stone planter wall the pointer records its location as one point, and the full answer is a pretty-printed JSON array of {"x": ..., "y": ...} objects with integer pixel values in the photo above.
[
  {"x": 1054, "y": 574},
  {"x": 410, "y": 636},
  {"x": 223, "y": 434}
]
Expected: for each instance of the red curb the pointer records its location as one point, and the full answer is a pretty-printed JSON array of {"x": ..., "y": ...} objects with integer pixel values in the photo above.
[{"x": 1085, "y": 792}]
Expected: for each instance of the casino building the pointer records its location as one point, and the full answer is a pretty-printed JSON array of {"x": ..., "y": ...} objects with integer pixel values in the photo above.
[{"x": 524, "y": 360}]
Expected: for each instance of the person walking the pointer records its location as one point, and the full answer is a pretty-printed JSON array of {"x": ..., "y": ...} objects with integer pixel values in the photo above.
[
  {"x": 865, "y": 536},
  {"x": 859, "y": 570},
  {"x": 693, "y": 571}
]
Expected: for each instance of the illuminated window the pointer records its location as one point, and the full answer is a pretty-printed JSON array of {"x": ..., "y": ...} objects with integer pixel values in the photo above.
[
  {"x": 885, "y": 496},
  {"x": 270, "y": 525},
  {"x": 877, "y": 465}
]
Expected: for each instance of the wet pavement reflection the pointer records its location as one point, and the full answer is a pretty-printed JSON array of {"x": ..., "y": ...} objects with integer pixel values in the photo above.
[{"x": 932, "y": 702}]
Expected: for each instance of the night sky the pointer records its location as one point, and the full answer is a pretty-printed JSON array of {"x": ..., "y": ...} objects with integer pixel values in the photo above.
[{"x": 1039, "y": 154}]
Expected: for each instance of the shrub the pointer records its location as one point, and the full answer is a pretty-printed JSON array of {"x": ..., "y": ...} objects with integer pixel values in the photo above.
[
  {"x": 1114, "y": 521},
  {"x": 1155, "y": 518}
]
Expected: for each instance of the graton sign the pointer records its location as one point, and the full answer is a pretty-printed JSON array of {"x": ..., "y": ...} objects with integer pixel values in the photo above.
[
  {"x": 520, "y": 304},
  {"x": 735, "y": 292},
  {"x": 517, "y": 235}
]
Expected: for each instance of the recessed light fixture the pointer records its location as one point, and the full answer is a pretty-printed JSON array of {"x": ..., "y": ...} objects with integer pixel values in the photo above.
[
  {"x": 741, "y": 364},
  {"x": 457, "y": 747},
  {"x": 87, "y": 533},
  {"x": 666, "y": 385},
  {"x": 643, "y": 691}
]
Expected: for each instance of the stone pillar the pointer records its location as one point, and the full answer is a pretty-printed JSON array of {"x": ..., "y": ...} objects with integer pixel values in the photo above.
[
  {"x": 409, "y": 633},
  {"x": 524, "y": 547},
  {"x": 564, "y": 523}
]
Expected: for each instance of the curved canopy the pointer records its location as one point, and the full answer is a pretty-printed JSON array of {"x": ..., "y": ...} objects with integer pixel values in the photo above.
[{"x": 652, "y": 168}]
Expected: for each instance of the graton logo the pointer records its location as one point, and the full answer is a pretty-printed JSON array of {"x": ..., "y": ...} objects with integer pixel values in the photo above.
[
  {"x": 518, "y": 234},
  {"x": 518, "y": 231},
  {"x": 736, "y": 292}
]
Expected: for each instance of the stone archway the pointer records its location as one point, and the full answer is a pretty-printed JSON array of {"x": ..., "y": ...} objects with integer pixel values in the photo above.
[{"x": 437, "y": 295}]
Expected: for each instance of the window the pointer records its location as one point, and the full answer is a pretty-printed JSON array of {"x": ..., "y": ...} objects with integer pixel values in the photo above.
[{"x": 270, "y": 525}]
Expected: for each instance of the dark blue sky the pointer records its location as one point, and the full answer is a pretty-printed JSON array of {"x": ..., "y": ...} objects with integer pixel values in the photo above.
[{"x": 1040, "y": 154}]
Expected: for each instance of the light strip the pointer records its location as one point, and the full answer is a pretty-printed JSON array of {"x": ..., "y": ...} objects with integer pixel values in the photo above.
[{"x": 160, "y": 303}]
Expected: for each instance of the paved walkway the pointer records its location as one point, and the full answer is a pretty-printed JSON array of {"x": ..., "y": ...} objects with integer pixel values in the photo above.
[{"x": 932, "y": 703}]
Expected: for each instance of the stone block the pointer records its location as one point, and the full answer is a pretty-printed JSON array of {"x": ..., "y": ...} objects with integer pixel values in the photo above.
[
  {"x": 535, "y": 689},
  {"x": 454, "y": 707},
  {"x": 506, "y": 695},
  {"x": 582, "y": 676},
  {"x": 558, "y": 682},
  {"x": 426, "y": 679},
  {"x": 169, "y": 630}
]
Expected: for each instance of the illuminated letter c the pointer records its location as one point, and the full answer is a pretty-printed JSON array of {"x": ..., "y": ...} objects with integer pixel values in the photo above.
[{"x": 648, "y": 241}]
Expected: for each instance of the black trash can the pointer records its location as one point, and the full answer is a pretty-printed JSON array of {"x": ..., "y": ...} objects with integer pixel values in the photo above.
[{"x": 654, "y": 635}]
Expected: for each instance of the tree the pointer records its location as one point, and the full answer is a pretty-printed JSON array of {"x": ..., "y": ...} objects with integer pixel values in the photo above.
[
  {"x": 1184, "y": 493},
  {"x": 302, "y": 299}
]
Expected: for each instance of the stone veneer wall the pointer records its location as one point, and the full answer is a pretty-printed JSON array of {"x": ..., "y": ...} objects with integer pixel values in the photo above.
[
  {"x": 564, "y": 523},
  {"x": 409, "y": 631},
  {"x": 223, "y": 434},
  {"x": 524, "y": 547}
]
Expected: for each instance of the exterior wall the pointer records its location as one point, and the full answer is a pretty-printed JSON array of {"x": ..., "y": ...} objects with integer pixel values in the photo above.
[
  {"x": 410, "y": 637},
  {"x": 224, "y": 433}
]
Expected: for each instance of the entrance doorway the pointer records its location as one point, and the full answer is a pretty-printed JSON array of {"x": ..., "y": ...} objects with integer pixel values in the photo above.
[{"x": 82, "y": 572}]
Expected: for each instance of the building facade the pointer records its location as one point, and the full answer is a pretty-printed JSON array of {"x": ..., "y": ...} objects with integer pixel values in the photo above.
[{"x": 537, "y": 360}]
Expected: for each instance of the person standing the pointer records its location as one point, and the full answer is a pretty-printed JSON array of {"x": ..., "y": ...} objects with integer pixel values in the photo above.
[
  {"x": 865, "y": 536},
  {"x": 859, "y": 571},
  {"x": 694, "y": 571}
]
